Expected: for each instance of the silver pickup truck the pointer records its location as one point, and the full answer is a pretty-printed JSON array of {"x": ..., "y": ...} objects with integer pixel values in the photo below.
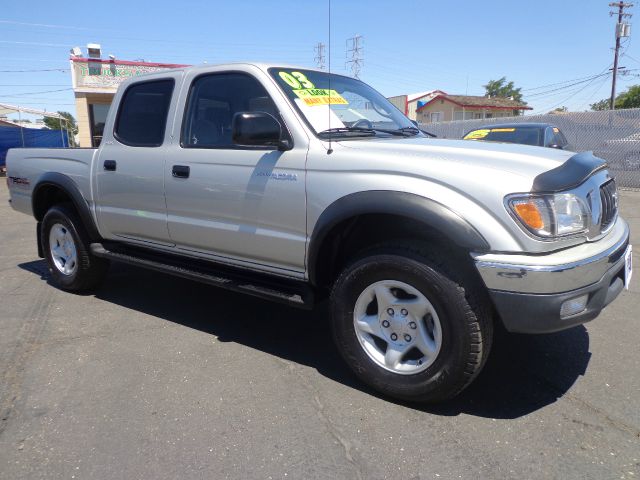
[{"x": 297, "y": 185}]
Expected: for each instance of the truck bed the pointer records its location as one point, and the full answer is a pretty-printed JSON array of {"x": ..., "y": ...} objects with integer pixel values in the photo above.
[{"x": 25, "y": 167}]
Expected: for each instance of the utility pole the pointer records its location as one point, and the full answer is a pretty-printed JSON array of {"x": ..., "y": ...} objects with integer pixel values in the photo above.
[
  {"x": 319, "y": 58},
  {"x": 355, "y": 47},
  {"x": 622, "y": 30}
]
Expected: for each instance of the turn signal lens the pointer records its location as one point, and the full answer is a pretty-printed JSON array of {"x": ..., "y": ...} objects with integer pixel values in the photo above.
[
  {"x": 534, "y": 213},
  {"x": 551, "y": 215},
  {"x": 529, "y": 214}
]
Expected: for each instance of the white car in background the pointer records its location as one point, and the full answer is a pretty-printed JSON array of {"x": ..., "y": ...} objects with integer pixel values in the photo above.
[{"x": 622, "y": 153}]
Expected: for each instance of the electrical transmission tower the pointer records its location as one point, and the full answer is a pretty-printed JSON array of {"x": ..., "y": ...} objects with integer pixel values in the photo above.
[
  {"x": 622, "y": 30},
  {"x": 319, "y": 58},
  {"x": 355, "y": 55}
]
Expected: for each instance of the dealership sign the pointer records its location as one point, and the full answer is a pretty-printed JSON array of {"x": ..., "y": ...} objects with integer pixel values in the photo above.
[{"x": 104, "y": 76}]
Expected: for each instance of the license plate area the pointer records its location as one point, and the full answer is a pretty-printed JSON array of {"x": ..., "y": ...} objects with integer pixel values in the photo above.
[{"x": 628, "y": 267}]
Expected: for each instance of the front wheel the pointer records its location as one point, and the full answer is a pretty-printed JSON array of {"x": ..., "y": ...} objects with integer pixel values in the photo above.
[{"x": 410, "y": 324}]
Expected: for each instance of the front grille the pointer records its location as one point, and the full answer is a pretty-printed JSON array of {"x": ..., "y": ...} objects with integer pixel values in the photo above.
[{"x": 609, "y": 204}]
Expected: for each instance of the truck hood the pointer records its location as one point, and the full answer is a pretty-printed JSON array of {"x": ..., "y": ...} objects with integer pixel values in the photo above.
[{"x": 419, "y": 154}]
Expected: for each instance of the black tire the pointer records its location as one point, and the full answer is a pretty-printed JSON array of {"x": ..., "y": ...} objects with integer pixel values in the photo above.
[
  {"x": 458, "y": 299},
  {"x": 90, "y": 270}
]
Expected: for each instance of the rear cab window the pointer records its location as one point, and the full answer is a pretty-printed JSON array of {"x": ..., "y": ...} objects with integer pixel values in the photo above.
[
  {"x": 522, "y": 135},
  {"x": 142, "y": 116}
]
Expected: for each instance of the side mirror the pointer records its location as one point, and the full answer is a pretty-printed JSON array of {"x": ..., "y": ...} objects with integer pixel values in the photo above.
[
  {"x": 258, "y": 129},
  {"x": 555, "y": 145}
]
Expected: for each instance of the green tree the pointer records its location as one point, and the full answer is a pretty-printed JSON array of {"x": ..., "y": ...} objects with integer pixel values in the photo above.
[
  {"x": 627, "y": 99},
  {"x": 630, "y": 98},
  {"x": 69, "y": 123},
  {"x": 600, "y": 105},
  {"x": 502, "y": 88}
]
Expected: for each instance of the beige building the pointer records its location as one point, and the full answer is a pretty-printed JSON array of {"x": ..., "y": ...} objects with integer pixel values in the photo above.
[
  {"x": 438, "y": 106},
  {"x": 409, "y": 104},
  {"x": 446, "y": 108},
  {"x": 95, "y": 82}
]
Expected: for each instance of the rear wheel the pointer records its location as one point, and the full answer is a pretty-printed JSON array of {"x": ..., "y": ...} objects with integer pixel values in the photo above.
[
  {"x": 66, "y": 248},
  {"x": 410, "y": 324}
]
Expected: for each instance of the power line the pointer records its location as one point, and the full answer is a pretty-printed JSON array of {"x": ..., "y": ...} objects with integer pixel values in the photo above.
[
  {"x": 45, "y": 25},
  {"x": 587, "y": 80},
  {"x": 35, "y": 44},
  {"x": 355, "y": 47},
  {"x": 37, "y": 93},
  {"x": 593, "y": 94},
  {"x": 40, "y": 70},
  {"x": 557, "y": 83},
  {"x": 50, "y": 103},
  {"x": 33, "y": 85},
  {"x": 573, "y": 94},
  {"x": 625, "y": 54}
]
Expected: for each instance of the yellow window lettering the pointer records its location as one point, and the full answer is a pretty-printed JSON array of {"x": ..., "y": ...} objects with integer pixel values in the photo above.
[
  {"x": 320, "y": 96},
  {"x": 290, "y": 80},
  {"x": 301, "y": 77},
  {"x": 477, "y": 134}
]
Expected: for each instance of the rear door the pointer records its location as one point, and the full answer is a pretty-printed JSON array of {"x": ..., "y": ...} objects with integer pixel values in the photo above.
[{"x": 130, "y": 201}]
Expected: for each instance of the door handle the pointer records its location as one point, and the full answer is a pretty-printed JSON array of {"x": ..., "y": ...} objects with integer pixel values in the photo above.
[
  {"x": 180, "y": 171},
  {"x": 110, "y": 165}
]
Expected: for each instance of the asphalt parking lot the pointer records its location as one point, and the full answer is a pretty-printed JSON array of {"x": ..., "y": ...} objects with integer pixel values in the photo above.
[{"x": 158, "y": 377}]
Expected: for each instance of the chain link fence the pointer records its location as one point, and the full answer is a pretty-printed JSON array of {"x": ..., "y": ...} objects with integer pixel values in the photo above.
[{"x": 613, "y": 135}]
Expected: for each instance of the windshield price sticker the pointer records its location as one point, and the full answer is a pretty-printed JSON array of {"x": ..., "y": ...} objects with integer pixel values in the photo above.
[
  {"x": 477, "y": 134},
  {"x": 307, "y": 91},
  {"x": 320, "y": 96},
  {"x": 296, "y": 80}
]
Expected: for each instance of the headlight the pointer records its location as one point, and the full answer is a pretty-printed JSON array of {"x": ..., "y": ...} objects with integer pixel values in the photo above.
[{"x": 551, "y": 215}]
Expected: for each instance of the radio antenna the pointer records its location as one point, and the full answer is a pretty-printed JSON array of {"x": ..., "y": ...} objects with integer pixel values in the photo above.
[{"x": 329, "y": 150}]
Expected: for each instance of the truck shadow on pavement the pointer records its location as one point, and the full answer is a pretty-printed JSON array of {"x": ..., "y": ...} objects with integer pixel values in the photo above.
[{"x": 523, "y": 374}]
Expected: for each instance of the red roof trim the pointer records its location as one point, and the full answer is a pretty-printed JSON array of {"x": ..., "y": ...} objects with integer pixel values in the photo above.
[
  {"x": 426, "y": 95},
  {"x": 128, "y": 62},
  {"x": 490, "y": 107}
]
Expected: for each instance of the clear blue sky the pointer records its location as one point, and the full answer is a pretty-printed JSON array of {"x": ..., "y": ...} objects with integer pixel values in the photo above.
[{"x": 409, "y": 46}]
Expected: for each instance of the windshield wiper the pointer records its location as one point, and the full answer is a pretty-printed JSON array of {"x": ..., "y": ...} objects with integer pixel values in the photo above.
[
  {"x": 416, "y": 130},
  {"x": 402, "y": 132},
  {"x": 347, "y": 130}
]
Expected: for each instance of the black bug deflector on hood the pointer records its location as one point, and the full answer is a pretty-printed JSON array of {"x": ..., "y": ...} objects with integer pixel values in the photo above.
[{"x": 570, "y": 174}]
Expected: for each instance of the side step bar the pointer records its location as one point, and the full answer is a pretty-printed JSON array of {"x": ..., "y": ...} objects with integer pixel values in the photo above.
[{"x": 297, "y": 294}]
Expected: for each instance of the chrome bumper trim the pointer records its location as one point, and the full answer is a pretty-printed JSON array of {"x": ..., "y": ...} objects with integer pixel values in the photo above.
[{"x": 553, "y": 278}]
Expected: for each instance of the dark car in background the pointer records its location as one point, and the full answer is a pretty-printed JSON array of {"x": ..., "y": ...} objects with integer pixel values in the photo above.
[{"x": 537, "y": 134}]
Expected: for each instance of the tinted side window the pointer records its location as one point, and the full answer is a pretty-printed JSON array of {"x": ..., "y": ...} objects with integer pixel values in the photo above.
[
  {"x": 558, "y": 138},
  {"x": 143, "y": 112},
  {"x": 214, "y": 100},
  {"x": 526, "y": 136}
]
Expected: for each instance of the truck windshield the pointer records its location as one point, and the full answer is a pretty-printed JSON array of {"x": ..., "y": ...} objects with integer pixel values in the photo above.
[{"x": 341, "y": 107}]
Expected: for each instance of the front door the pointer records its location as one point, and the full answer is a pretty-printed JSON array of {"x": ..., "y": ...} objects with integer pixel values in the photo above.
[{"x": 239, "y": 205}]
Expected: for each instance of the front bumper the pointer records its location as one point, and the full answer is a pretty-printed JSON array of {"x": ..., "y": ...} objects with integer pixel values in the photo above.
[{"x": 529, "y": 291}]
